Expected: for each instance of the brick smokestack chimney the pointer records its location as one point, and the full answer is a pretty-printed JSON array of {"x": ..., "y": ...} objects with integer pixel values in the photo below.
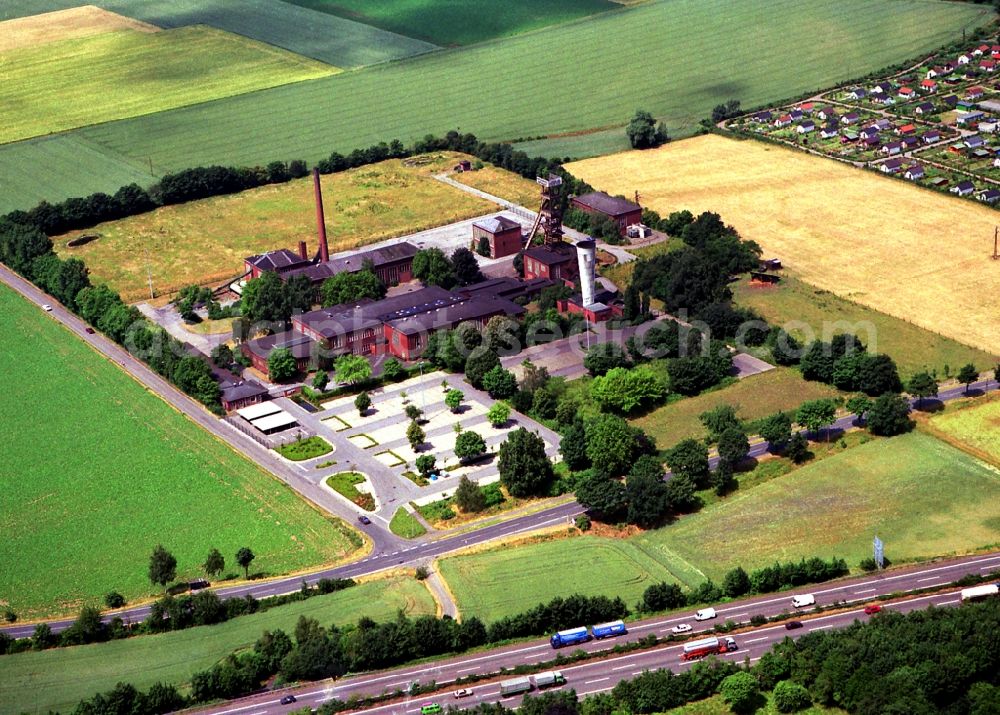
[
  {"x": 302, "y": 250},
  {"x": 324, "y": 248}
]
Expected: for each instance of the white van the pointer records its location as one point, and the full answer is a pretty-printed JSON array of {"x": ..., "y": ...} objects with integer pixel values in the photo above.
[
  {"x": 806, "y": 599},
  {"x": 704, "y": 614}
]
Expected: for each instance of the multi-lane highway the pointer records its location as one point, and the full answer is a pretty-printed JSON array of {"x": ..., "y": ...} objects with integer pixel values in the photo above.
[{"x": 602, "y": 674}]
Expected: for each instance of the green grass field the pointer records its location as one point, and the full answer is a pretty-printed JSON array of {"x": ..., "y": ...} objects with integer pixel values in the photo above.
[
  {"x": 578, "y": 146},
  {"x": 922, "y": 497},
  {"x": 303, "y": 449},
  {"x": 912, "y": 347},
  {"x": 82, "y": 81},
  {"x": 334, "y": 40},
  {"x": 506, "y": 580},
  {"x": 73, "y": 165},
  {"x": 459, "y": 22},
  {"x": 403, "y": 524},
  {"x": 58, "y": 679},
  {"x": 754, "y": 397},
  {"x": 973, "y": 424},
  {"x": 97, "y": 471},
  {"x": 604, "y": 69},
  {"x": 715, "y": 705}
]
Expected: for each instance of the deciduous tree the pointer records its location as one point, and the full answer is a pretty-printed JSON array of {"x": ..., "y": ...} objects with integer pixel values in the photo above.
[
  {"x": 281, "y": 365},
  {"x": 524, "y": 467},
  {"x": 967, "y": 375},
  {"x": 362, "y": 402},
  {"x": 352, "y": 369},
  {"x": 922, "y": 385},
  {"x": 500, "y": 383},
  {"x": 162, "y": 566},
  {"x": 624, "y": 390},
  {"x": 453, "y": 399},
  {"x": 498, "y": 414},
  {"x": 469, "y": 446},
  {"x": 244, "y": 557},
  {"x": 465, "y": 267},
  {"x": 415, "y": 435},
  {"x": 689, "y": 457},
  {"x": 431, "y": 266},
  {"x": 469, "y": 495},
  {"x": 816, "y": 414},
  {"x": 889, "y": 416},
  {"x": 603, "y": 496},
  {"x": 215, "y": 563},
  {"x": 345, "y": 287}
]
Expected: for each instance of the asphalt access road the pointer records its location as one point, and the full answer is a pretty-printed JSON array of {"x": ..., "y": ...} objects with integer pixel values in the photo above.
[{"x": 602, "y": 675}]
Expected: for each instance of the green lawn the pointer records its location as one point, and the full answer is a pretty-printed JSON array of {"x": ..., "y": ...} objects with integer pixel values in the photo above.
[
  {"x": 344, "y": 484},
  {"x": 913, "y": 348},
  {"x": 97, "y": 471},
  {"x": 334, "y": 40},
  {"x": 578, "y": 146},
  {"x": 717, "y": 706},
  {"x": 459, "y": 22},
  {"x": 403, "y": 524},
  {"x": 65, "y": 165},
  {"x": 603, "y": 68},
  {"x": 975, "y": 424},
  {"x": 53, "y": 87},
  {"x": 303, "y": 449},
  {"x": 922, "y": 497},
  {"x": 58, "y": 679},
  {"x": 506, "y": 581},
  {"x": 754, "y": 397}
]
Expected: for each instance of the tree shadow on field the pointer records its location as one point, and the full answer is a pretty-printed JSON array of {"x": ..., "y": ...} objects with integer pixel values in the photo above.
[{"x": 928, "y": 405}]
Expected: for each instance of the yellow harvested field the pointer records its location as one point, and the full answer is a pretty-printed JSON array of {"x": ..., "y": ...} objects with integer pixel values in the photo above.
[
  {"x": 909, "y": 252},
  {"x": 204, "y": 242},
  {"x": 64, "y": 25}
]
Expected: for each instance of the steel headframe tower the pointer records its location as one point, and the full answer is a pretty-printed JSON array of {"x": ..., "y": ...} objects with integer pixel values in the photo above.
[{"x": 550, "y": 214}]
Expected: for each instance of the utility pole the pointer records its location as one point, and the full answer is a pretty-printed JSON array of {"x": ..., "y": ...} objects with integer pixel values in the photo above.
[
  {"x": 996, "y": 233},
  {"x": 149, "y": 273}
]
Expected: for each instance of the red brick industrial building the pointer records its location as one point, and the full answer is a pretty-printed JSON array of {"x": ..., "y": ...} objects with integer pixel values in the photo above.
[
  {"x": 503, "y": 235},
  {"x": 624, "y": 212}
]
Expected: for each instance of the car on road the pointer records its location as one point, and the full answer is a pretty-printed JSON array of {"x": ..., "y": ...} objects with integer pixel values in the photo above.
[
  {"x": 288, "y": 700},
  {"x": 364, "y": 519},
  {"x": 47, "y": 308},
  {"x": 463, "y": 692},
  {"x": 705, "y": 614},
  {"x": 792, "y": 625},
  {"x": 88, "y": 331},
  {"x": 872, "y": 608},
  {"x": 430, "y": 709},
  {"x": 681, "y": 628}
]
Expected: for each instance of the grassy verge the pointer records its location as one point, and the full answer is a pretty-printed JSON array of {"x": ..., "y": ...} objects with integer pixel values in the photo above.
[
  {"x": 110, "y": 460},
  {"x": 974, "y": 425},
  {"x": 58, "y": 679},
  {"x": 715, "y": 705},
  {"x": 403, "y": 524},
  {"x": 913, "y": 348},
  {"x": 303, "y": 449},
  {"x": 922, "y": 497},
  {"x": 505, "y": 184},
  {"x": 344, "y": 484}
]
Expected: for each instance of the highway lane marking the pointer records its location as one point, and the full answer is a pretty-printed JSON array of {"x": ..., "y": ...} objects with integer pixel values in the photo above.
[
  {"x": 867, "y": 590},
  {"x": 638, "y": 672},
  {"x": 820, "y": 628},
  {"x": 598, "y": 680},
  {"x": 741, "y": 615},
  {"x": 929, "y": 578},
  {"x": 754, "y": 640},
  {"x": 467, "y": 670},
  {"x": 247, "y": 707},
  {"x": 622, "y": 667}
]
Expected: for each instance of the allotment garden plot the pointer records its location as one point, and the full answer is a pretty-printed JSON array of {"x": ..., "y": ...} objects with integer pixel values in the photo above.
[{"x": 914, "y": 254}]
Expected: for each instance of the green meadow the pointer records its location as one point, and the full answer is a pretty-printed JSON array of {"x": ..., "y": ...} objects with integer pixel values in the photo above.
[{"x": 97, "y": 471}]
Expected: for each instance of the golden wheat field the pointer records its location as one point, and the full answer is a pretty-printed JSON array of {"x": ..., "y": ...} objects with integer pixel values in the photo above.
[
  {"x": 68, "y": 24},
  {"x": 912, "y": 253}
]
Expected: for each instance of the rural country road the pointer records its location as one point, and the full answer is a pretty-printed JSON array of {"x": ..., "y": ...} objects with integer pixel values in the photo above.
[
  {"x": 601, "y": 675},
  {"x": 388, "y": 550}
]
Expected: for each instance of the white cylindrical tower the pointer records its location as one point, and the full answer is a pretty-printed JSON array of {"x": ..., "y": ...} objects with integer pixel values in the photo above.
[{"x": 586, "y": 256}]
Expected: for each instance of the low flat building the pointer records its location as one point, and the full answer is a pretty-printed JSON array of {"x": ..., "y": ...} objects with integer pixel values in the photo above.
[
  {"x": 623, "y": 211},
  {"x": 501, "y": 234},
  {"x": 393, "y": 264},
  {"x": 242, "y": 394}
]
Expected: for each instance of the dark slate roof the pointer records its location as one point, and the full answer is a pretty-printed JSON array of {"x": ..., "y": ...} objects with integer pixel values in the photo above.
[
  {"x": 242, "y": 390},
  {"x": 965, "y": 186},
  {"x": 449, "y": 315},
  {"x": 553, "y": 254},
  {"x": 367, "y": 313},
  {"x": 893, "y": 163},
  {"x": 355, "y": 261},
  {"x": 496, "y": 224},
  {"x": 280, "y": 260},
  {"x": 507, "y": 287},
  {"x": 300, "y": 345},
  {"x": 610, "y": 205},
  {"x": 916, "y": 169},
  {"x": 925, "y": 107}
]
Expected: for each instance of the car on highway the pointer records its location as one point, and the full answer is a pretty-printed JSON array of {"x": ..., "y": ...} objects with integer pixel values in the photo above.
[
  {"x": 681, "y": 628},
  {"x": 288, "y": 700},
  {"x": 463, "y": 692},
  {"x": 430, "y": 709},
  {"x": 47, "y": 308},
  {"x": 364, "y": 519},
  {"x": 705, "y": 614},
  {"x": 872, "y": 608},
  {"x": 88, "y": 331},
  {"x": 792, "y": 625}
]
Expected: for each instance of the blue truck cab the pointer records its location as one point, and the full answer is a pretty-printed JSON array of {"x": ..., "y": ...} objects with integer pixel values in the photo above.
[
  {"x": 570, "y": 637},
  {"x": 607, "y": 630}
]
